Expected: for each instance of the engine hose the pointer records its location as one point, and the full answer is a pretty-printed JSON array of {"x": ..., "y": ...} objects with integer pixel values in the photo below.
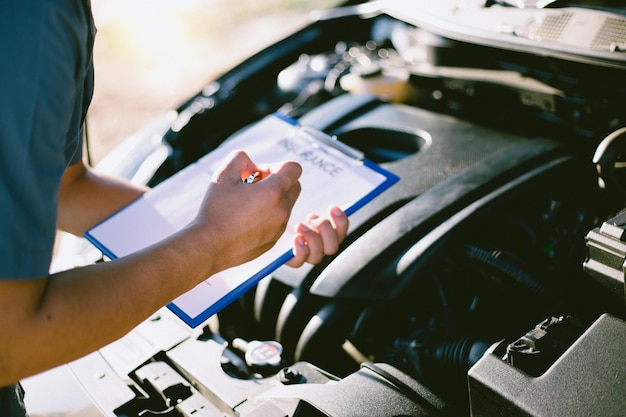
[
  {"x": 495, "y": 260},
  {"x": 458, "y": 355}
]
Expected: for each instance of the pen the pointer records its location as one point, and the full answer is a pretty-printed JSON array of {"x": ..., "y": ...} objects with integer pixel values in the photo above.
[{"x": 252, "y": 178}]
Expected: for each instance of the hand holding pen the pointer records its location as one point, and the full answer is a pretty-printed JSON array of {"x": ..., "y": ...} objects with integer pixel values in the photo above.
[
  {"x": 315, "y": 237},
  {"x": 247, "y": 219}
]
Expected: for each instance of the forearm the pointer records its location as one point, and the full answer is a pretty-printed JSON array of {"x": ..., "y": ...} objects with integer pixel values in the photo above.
[
  {"x": 86, "y": 198},
  {"x": 62, "y": 317},
  {"x": 78, "y": 311}
]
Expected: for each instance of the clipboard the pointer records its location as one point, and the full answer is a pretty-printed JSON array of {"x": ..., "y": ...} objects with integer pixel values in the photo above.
[{"x": 332, "y": 173}]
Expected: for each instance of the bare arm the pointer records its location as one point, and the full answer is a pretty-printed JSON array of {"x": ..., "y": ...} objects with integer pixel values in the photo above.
[
  {"x": 87, "y": 197},
  {"x": 62, "y": 317}
]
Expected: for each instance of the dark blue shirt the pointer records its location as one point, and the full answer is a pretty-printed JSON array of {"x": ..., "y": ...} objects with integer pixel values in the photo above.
[{"x": 46, "y": 84}]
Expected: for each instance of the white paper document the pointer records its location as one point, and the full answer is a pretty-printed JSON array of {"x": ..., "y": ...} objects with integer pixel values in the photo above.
[{"x": 332, "y": 173}]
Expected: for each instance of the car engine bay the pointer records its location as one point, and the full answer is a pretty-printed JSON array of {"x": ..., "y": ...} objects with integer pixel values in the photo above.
[{"x": 488, "y": 281}]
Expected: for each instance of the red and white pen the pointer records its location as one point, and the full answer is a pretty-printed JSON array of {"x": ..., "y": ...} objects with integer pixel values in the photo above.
[{"x": 252, "y": 178}]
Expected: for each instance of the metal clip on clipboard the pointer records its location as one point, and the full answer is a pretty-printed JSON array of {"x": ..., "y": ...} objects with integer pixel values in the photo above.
[{"x": 332, "y": 142}]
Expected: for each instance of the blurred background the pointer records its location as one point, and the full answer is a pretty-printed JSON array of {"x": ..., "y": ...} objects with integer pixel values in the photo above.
[{"x": 149, "y": 57}]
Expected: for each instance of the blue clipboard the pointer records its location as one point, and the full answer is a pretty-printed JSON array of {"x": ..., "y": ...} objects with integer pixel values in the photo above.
[{"x": 333, "y": 173}]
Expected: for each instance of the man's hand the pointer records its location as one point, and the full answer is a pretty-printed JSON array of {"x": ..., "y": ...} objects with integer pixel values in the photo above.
[
  {"x": 244, "y": 221},
  {"x": 318, "y": 237}
]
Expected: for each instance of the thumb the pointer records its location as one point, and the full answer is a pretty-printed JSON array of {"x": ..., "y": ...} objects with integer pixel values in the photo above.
[{"x": 237, "y": 166}]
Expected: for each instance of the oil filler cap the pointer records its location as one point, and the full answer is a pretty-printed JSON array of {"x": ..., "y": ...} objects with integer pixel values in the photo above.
[{"x": 260, "y": 354}]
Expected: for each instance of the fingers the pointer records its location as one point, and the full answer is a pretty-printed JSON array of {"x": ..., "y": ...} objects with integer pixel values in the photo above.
[
  {"x": 313, "y": 244},
  {"x": 318, "y": 237},
  {"x": 235, "y": 169},
  {"x": 240, "y": 166},
  {"x": 278, "y": 184},
  {"x": 280, "y": 181},
  {"x": 262, "y": 209},
  {"x": 246, "y": 219},
  {"x": 340, "y": 222},
  {"x": 289, "y": 172},
  {"x": 332, "y": 230},
  {"x": 300, "y": 252}
]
